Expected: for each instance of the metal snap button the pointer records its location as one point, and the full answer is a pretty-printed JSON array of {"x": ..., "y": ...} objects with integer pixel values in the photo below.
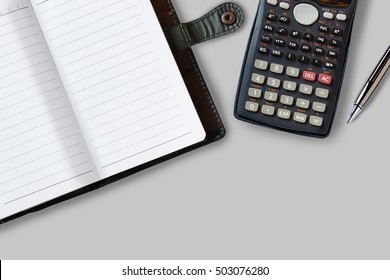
[{"x": 228, "y": 18}]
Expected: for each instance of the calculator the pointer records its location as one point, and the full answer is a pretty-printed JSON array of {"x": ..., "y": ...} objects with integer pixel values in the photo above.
[{"x": 294, "y": 65}]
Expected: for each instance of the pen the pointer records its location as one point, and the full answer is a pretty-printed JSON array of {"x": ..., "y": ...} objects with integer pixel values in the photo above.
[{"x": 369, "y": 88}]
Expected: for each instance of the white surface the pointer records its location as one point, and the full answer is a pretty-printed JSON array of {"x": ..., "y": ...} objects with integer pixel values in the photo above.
[{"x": 258, "y": 193}]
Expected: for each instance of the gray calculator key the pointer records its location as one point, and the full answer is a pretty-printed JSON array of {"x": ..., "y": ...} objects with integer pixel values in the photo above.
[
  {"x": 261, "y": 64},
  {"x": 292, "y": 72},
  {"x": 284, "y": 114},
  {"x": 290, "y": 86},
  {"x": 316, "y": 121},
  {"x": 303, "y": 103},
  {"x": 277, "y": 68},
  {"x": 287, "y": 100},
  {"x": 272, "y": 82},
  {"x": 251, "y": 106},
  {"x": 270, "y": 96},
  {"x": 300, "y": 118},
  {"x": 322, "y": 93},
  {"x": 319, "y": 107},
  {"x": 268, "y": 110},
  {"x": 254, "y": 92},
  {"x": 258, "y": 79},
  {"x": 306, "y": 89}
]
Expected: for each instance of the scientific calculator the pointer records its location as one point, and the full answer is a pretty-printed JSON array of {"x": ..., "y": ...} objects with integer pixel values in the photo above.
[{"x": 294, "y": 65}]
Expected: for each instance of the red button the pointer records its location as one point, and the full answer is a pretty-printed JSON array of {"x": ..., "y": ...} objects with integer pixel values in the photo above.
[
  {"x": 309, "y": 76},
  {"x": 325, "y": 79}
]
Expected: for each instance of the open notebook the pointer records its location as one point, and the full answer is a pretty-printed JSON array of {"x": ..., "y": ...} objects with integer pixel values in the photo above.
[{"x": 89, "y": 89}]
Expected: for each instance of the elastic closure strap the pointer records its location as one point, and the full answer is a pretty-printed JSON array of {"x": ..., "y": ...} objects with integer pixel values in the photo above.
[{"x": 224, "y": 19}]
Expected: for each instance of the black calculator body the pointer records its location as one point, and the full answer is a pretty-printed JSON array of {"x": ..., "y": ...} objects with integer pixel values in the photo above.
[{"x": 294, "y": 65}]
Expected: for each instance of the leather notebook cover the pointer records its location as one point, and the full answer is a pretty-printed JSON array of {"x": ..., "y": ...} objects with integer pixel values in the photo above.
[{"x": 224, "y": 19}]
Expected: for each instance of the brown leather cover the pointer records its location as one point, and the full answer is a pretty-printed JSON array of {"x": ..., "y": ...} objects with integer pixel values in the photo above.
[{"x": 199, "y": 93}]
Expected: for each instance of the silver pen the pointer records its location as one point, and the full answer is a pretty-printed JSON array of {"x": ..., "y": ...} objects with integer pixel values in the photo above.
[{"x": 369, "y": 88}]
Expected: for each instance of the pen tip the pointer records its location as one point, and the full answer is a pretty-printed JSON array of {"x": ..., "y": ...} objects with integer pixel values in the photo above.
[{"x": 356, "y": 110}]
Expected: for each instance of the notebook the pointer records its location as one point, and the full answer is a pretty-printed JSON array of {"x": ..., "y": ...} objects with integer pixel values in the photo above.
[{"x": 90, "y": 92}]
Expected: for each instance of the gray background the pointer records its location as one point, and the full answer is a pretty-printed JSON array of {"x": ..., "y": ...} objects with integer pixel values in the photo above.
[{"x": 257, "y": 194}]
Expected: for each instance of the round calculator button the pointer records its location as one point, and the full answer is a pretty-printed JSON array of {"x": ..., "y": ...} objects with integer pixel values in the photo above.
[{"x": 306, "y": 14}]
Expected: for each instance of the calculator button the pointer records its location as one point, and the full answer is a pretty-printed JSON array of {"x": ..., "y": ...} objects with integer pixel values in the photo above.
[
  {"x": 284, "y": 114},
  {"x": 284, "y": 19},
  {"x": 254, "y": 92},
  {"x": 290, "y": 56},
  {"x": 277, "y": 53},
  {"x": 328, "y": 15},
  {"x": 303, "y": 59},
  {"x": 321, "y": 40},
  {"x": 316, "y": 121},
  {"x": 317, "y": 62},
  {"x": 261, "y": 64},
  {"x": 337, "y": 32},
  {"x": 268, "y": 110},
  {"x": 287, "y": 100},
  {"x": 284, "y": 5},
  {"x": 325, "y": 79},
  {"x": 323, "y": 28},
  {"x": 280, "y": 42},
  {"x": 319, "y": 107},
  {"x": 341, "y": 17},
  {"x": 270, "y": 96},
  {"x": 266, "y": 39},
  {"x": 272, "y": 2},
  {"x": 308, "y": 37},
  {"x": 292, "y": 72},
  {"x": 290, "y": 86},
  {"x": 282, "y": 31},
  {"x": 332, "y": 54},
  {"x": 272, "y": 82},
  {"x": 251, "y": 106},
  {"x": 271, "y": 17},
  {"x": 299, "y": 117},
  {"x": 309, "y": 76},
  {"x": 263, "y": 50},
  {"x": 306, "y": 48},
  {"x": 268, "y": 27},
  {"x": 258, "y": 79},
  {"x": 277, "y": 68},
  {"x": 292, "y": 45},
  {"x": 335, "y": 43},
  {"x": 305, "y": 89},
  {"x": 303, "y": 103},
  {"x": 295, "y": 34},
  {"x": 322, "y": 93},
  {"x": 330, "y": 65},
  {"x": 305, "y": 14}
]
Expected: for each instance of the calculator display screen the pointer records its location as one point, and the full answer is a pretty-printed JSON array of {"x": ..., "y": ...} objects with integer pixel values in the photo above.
[{"x": 335, "y": 3}]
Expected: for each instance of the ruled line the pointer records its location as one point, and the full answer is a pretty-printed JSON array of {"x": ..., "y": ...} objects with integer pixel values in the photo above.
[
  {"x": 109, "y": 48},
  {"x": 16, "y": 20},
  {"x": 25, "y": 78},
  {"x": 115, "y": 66},
  {"x": 14, "y": 31},
  {"x": 125, "y": 94},
  {"x": 113, "y": 109},
  {"x": 67, "y": 12},
  {"x": 42, "y": 157},
  {"x": 25, "y": 89},
  {"x": 101, "y": 40},
  {"x": 21, "y": 59},
  {"x": 14, "y": 11},
  {"x": 135, "y": 122},
  {"x": 118, "y": 86},
  {"x": 51, "y": 186},
  {"x": 131, "y": 113},
  {"x": 25, "y": 68},
  {"x": 84, "y": 15},
  {"x": 89, "y": 24},
  {"x": 139, "y": 131},
  {"x": 55, "y": 7},
  {"x": 20, "y": 39},
  {"x": 146, "y": 150},
  {"x": 22, "y": 49}
]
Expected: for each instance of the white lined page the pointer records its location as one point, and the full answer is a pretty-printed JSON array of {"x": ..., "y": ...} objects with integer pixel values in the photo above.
[
  {"x": 121, "y": 78},
  {"x": 42, "y": 152}
]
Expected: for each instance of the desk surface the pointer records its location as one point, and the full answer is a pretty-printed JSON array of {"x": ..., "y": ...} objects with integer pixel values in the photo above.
[{"x": 257, "y": 194}]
